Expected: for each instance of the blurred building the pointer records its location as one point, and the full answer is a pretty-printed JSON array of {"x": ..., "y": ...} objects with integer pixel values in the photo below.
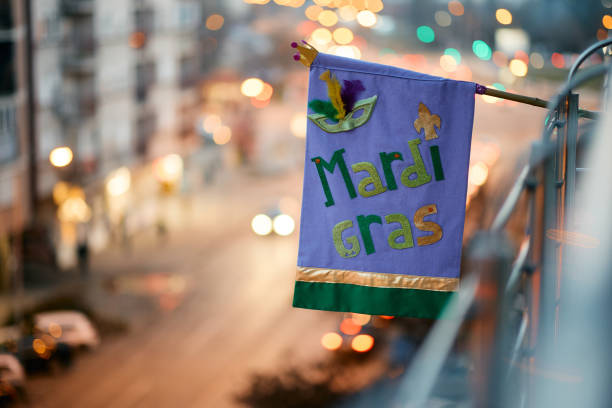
[
  {"x": 14, "y": 194},
  {"x": 116, "y": 80}
]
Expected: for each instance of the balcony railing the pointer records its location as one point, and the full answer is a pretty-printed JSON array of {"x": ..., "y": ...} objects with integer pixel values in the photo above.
[
  {"x": 77, "y": 7},
  {"x": 146, "y": 125},
  {"x": 76, "y": 105},
  {"x": 9, "y": 145},
  {"x": 145, "y": 77},
  {"x": 79, "y": 48}
]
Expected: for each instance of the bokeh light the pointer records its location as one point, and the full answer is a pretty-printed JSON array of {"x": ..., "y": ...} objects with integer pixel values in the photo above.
[
  {"x": 312, "y": 12},
  {"x": 298, "y": 125},
  {"x": 349, "y": 327},
  {"x": 362, "y": 343},
  {"x": 327, "y": 18},
  {"x": 55, "y": 330},
  {"x": 358, "y": 4},
  {"x": 251, "y": 87},
  {"x": 61, "y": 156},
  {"x": 74, "y": 209},
  {"x": 321, "y": 36},
  {"x": 360, "y": 319},
  {"x": 425, "y": 34},
  {"x": 602, "y": 34},
  {"x": 261, "y": 224},
  {"x": 347, "y": 51},
  {"x": 456, "y": 8},
  {"x": 343, "y": 35},
  {"x": 463, "y": 73},
  {"x": 168, "y": 168},
  {"x": 503, "y": 16},
  {"x": 137, "y": 39},
  {"x": 482, "y": 50},
  {"x": 118, "y": 182},
  {"x": 366, "y": 18},
  {"x": 222, "y": 135},
  {"x": 557, "y": 60},
  {"x": 322, "y": 3},
  {"x": 453, "y": 53},
  {"x": 39, "y": 346},
  {"x": 211, "y": 123},
  {"x": 283, "y": 225},
  {"x": 214, "y": 22},
  {"x": 375, "y": 6},
  {"x": 443, "y": 19},
  {"x": 347, "y": 13},
  {"x": 536, "y": 60},
  {"x": 478, "y": 174},
  {"x": 606, "y": 21},
  {"x": 522, "y": 55},
  {"x": 448, "y": 63},
  {"x": 500, "y": 59},
  {"x": 61, "y": 190},
  {"x": 331, "y": 341},
  {"x": 266, "y": 92},
  {"x": 518, "y": 67}
]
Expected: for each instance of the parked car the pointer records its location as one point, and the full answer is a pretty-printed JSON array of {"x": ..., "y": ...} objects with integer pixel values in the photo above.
[
  {"x": 42, "y": 353},
  {"x": 67, "y": 326},
  {"x": 12, "y": 378}
]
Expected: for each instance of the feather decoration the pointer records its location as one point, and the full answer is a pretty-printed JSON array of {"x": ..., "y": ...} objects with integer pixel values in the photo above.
[
  {"x": 324, "y": 108},
  {"x": 350, "y": 92},
  {"x": 333, "y": 90}
]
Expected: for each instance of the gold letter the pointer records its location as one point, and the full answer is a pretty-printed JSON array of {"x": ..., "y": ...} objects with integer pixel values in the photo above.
[{"x": 427, "y": 225}]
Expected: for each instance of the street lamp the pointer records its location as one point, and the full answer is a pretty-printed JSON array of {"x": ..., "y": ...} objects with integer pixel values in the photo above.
[{"x": 61, "y": 156}]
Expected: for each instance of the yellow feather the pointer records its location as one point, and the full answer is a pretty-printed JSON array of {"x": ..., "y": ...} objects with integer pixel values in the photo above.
[{"x": 333, "y": 90}]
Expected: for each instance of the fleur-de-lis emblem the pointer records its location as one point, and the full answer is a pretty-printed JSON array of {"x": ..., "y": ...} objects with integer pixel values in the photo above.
[{"x": 427, "y": 121}]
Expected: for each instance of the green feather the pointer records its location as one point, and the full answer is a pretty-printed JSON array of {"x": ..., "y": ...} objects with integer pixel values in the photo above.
[{"x": 324, "y": 108}]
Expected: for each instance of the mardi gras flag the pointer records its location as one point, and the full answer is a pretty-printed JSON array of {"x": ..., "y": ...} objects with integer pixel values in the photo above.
[{"x": 385, "y": 182}]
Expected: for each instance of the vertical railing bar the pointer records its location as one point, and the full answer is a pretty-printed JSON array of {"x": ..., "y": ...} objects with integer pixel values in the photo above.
[
  {"x": 518, "y": 342},
  {"x": 518, "y": 265},
  {"x": 570, "y": 171}
]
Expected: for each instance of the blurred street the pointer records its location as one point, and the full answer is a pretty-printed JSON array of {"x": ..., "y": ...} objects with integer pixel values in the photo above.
[
  {"x": 209, "y": 304},
  {"x": 198, "y": 346},
  {"x": 151, "y": 170}
]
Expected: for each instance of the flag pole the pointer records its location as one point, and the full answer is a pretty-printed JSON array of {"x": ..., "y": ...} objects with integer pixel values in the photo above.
[{"x": 307, "y": 53}]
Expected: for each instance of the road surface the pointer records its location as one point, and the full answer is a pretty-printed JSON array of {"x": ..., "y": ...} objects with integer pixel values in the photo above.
[{"x": 208, "y": 306}]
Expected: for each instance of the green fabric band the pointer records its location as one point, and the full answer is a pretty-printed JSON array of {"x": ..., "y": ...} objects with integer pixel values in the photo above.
[{"x": 342, "y": 297}]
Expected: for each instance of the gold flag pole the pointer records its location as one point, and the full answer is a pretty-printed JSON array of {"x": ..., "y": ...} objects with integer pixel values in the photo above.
[{"x": 307, "y": 53}]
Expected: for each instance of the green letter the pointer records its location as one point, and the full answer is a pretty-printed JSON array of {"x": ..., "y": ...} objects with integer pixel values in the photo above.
[
  {"x": 364, "y": 222},
  {"x": 373, "y": 179},
  {"x": 338, "y": 159},
  {"x": 418, "y": 168},
  {"x": 386, "y": 159},
  {"x": 404, "y": 232},
  {"x": 437, "y": 162},
  {"x": 352, "y": 240}
]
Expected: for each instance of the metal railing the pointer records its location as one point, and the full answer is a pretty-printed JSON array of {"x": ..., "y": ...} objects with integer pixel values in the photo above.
[{"x": 515, "y": 300}]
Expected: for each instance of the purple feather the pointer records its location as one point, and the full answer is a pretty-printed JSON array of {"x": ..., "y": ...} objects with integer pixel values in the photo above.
[{"x": 349, "y": 93}]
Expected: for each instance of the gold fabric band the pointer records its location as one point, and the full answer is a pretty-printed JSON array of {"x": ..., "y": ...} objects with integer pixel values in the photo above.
[{"x": 373, "y": 279}]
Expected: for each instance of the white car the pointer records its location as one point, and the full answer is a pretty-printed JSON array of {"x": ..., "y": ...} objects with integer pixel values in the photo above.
[
  {"x": 69, "y": 327},
  {"x": 11, "y": 370}
]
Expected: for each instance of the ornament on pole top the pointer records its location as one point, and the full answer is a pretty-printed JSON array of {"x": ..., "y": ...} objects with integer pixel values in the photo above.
[{"x": 306, "y": 53}]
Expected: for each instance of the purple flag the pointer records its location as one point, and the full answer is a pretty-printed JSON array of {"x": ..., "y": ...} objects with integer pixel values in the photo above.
[{"x": 385, "y": 182}]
